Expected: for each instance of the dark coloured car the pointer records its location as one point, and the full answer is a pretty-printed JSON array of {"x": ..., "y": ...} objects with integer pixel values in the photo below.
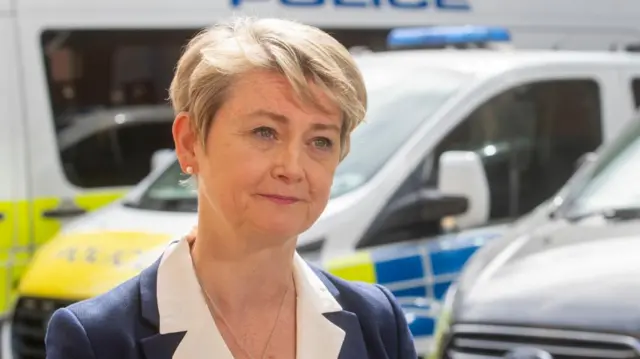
[{"x": 564, "y": 283}]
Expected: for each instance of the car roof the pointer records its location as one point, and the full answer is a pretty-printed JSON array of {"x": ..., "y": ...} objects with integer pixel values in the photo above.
[{"x": 486, "y": 62}]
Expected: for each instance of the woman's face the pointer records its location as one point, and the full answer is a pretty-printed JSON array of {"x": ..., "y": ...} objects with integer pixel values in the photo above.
[{"x": 269, "y": 160}]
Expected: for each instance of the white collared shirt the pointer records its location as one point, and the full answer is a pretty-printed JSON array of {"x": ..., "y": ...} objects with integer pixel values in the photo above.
[{"x": 182, "y": 307}]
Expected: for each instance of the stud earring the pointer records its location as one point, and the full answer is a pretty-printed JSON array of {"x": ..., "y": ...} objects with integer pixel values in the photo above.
[{"x": 189, "y": 170}]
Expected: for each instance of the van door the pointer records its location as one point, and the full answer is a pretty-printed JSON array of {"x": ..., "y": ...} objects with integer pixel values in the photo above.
[
  {"x": 14, "y": 229},
  {"x": 529, "y": 129},
  {"x": 530, "y": 135},
  {"x": 97, "y": 113},
  {"x": 631, "y": 83}
]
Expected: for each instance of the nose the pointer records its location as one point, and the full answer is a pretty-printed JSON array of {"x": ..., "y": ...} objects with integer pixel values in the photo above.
[{"x": 288, "y": 165}]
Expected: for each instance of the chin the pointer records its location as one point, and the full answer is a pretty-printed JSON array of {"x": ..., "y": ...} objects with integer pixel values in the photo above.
[{"x": 282, "y": 229}]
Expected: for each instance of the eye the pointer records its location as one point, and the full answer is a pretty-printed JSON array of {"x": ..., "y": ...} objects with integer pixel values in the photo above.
[
  {"x": 322, "y": 143},
  {"x": 265, "y": 132}
]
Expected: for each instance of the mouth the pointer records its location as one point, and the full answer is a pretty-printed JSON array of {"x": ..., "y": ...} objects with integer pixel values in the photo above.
[{"x": 284, "y": 200}]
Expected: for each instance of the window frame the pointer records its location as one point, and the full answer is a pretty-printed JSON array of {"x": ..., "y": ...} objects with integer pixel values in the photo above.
[{"x": 499, "y": 87}]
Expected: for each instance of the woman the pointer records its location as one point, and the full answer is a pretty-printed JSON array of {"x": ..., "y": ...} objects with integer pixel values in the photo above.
[{"x": 264, "y": 110}]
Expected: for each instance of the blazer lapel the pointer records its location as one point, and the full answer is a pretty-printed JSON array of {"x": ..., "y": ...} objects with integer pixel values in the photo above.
[
  {"x": 161, "y": 346},
  {"x": 353, "y": 345},
  {"x": 325, "y": 330},
  {"x": 154, "y": 345},
  {"x": 173, "y": 304}
]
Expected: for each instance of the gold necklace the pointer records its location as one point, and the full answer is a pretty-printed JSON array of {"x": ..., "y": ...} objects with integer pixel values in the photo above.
[{"x": 216, "y": 311}]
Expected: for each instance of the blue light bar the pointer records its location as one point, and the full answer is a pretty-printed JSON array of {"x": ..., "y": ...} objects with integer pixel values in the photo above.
[{"x": 446, "y": 35}]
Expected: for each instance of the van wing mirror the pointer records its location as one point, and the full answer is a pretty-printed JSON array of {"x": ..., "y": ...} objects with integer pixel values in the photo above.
[
  {"x": 461, "y": 173},
  {"x": 425, "y": 206},
  {"x": 413, "y": 216},
  {"x": 161, "y": 157}
]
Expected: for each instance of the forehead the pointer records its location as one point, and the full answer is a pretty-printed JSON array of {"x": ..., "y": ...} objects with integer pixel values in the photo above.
[{"x": 257, "y": 90}]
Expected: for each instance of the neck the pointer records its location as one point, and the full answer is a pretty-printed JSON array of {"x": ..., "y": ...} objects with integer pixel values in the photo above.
[{"x": 238, "y": 276}]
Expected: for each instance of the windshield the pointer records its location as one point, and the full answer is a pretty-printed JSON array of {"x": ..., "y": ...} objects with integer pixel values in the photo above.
[
  {"x": 400, "y": 100},
  {"x": 613, "y": 183}
]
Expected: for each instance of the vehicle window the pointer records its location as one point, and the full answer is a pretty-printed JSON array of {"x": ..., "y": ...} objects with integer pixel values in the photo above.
[
  {"x": 108, "y": 92},
  {"x": 612, "y": 184},
  {"x": 635, "y": 88},
  {"x": 529, "y": 138},
  {"x": 399, "y": 101}
]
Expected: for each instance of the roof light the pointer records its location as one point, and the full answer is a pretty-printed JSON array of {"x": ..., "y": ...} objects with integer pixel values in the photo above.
[{"x": 438, "y": 36}]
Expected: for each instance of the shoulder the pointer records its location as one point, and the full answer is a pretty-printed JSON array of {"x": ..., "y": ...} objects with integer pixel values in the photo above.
[
  {"x": 80, "y": 329},
  {"x": 362, "y": 297},
  {"x": 119, "y": 305},
  {"x": 379, "y": 313}
]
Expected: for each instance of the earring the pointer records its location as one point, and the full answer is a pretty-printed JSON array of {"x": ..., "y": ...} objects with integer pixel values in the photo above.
[{"x": 189, "y": 170}]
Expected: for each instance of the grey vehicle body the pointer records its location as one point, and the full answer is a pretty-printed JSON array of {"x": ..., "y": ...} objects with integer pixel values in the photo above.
[{"x": 563, "y": 282}]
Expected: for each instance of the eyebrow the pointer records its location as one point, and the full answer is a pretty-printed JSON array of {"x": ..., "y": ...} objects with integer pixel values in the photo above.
[{"x": 284, "y": 119}]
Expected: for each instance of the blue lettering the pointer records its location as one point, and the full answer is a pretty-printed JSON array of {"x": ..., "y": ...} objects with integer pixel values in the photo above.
[
  {"x": 452, "y": 4},
  {"x": 302, "y": 2},
  {"x": 351, "y": 3},
  {"x": 401, "y": 4},
  {"x": 446, "y": 5}
]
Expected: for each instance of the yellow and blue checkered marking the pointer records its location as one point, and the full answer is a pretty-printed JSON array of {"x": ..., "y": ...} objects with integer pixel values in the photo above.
[{"x": 423, "y": 269}]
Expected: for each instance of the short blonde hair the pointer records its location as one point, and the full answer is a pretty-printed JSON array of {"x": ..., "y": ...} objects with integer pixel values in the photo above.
[{"x": 301, "y": 53}]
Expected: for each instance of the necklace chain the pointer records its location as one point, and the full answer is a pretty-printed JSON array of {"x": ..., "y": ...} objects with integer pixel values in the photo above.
[{"x": 216, "y": 311}]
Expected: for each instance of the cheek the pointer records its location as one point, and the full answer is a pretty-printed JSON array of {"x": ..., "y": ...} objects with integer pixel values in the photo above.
[
  {"x": 320, "y": 177},
  {"x": 234, "y": 166}
]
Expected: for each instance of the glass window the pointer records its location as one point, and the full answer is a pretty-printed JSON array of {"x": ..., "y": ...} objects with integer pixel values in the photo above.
[
  {"x": 530, "y": 138},
  {"x": 108, "y": 92},
  {"x": 613, "y": 181},
  {"x": 399, "y": 101},
  {"x": 635, "y": 88}
]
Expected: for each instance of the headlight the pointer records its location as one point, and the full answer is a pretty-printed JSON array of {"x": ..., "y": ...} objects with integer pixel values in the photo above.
[{"x": 443, "y": 325}]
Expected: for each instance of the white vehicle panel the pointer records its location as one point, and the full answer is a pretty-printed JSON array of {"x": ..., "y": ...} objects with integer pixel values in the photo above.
[
  {"x": 46, "y": 173},
  {"x": 13, "y": 184},
  {"x": 5, "y": 7},
  {"x": 116, "y": 217},
  {"x": 621, "y": 14}
]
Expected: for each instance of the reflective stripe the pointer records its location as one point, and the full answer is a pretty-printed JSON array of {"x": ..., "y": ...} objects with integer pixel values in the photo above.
[
  {"x": 424, "y": 269},
  {"x": 23, "y": 230},
  {"x": 357, "y": 267},
  {"x": 82, "y": 265},
  {"x": 46, "y": 228}
]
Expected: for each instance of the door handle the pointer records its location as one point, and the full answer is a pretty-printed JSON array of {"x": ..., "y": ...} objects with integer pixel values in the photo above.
[{"x": 64, "y": 212}]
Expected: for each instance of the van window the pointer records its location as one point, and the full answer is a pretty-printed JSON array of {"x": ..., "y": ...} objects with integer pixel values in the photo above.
[
  {"x": 635, "y": 88},
  {"x": 108, "y": 93},
  {"x": 530, "y": 138}
]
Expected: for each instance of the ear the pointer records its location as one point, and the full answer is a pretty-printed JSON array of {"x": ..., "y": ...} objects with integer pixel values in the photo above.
[{"x": 185, "y": 139}]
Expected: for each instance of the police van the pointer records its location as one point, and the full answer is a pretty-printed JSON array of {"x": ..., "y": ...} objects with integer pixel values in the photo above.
[
  {"x": 477, "y": 137},
  {"x": 82, "y": 82}
]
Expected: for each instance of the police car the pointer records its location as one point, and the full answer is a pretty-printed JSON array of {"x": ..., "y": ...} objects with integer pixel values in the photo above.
[{"x": 454, "y": 139}]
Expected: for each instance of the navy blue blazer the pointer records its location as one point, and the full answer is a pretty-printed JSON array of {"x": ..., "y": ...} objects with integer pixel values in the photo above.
[{"x": 124, "y": 323}]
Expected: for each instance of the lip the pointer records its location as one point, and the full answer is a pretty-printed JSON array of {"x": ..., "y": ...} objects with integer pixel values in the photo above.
[{"x": 280, "y": 199}]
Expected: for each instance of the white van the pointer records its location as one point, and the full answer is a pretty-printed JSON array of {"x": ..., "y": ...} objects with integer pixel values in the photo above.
[{"x": 66, "y": 63}]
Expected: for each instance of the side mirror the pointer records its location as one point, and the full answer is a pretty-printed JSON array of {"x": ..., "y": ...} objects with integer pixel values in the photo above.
[
  {"x": 461, "y": 173},
  {"x": 161, "y": 157},
  {"x": 413, "y": 216}
]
